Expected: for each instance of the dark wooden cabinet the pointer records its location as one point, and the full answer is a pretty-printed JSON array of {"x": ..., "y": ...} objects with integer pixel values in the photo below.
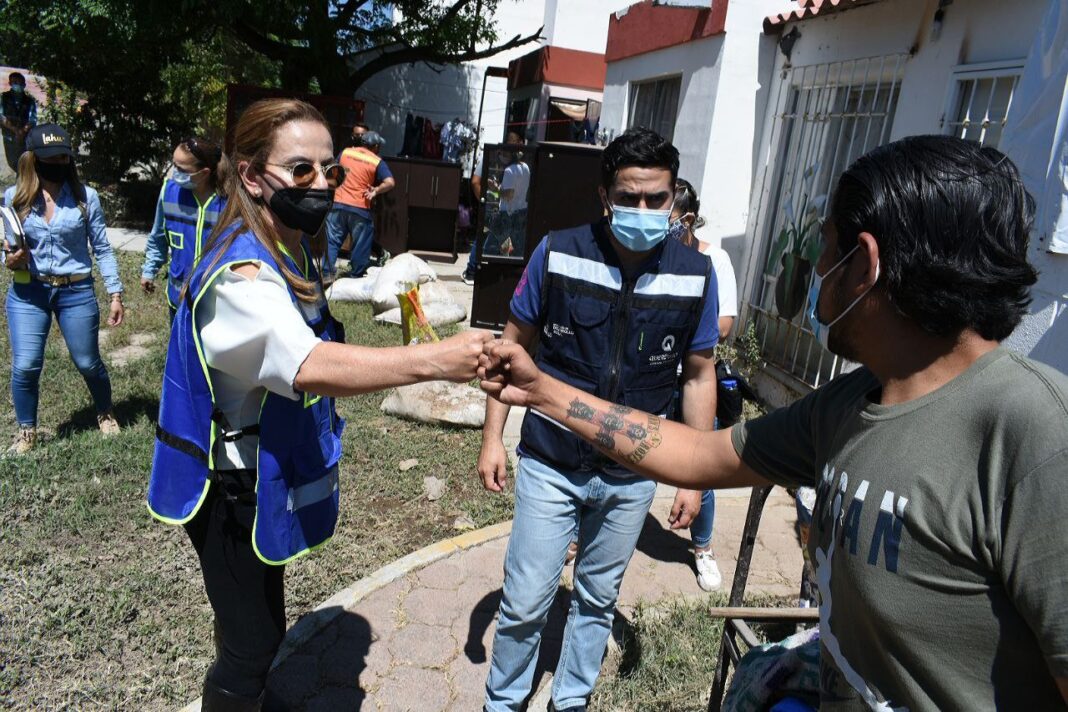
[
  {"x": 420, "y": 212},
  {"x": 561, "y": 193}
]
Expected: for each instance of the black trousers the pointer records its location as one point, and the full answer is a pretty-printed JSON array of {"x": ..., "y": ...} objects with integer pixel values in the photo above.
[{"x": 247, "y": 595}]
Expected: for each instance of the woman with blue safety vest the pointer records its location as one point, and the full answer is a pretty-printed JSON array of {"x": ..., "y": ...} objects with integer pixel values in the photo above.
[
  {"x": 189, "y": 206},
  {"x": 54, "y": 229},
  {"x": 248, "y": 443}
]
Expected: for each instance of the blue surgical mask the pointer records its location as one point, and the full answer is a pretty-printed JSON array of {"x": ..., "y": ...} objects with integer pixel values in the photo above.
[
  {"x": 18, "y": 88},
  {"x": 823, "y": 331},
  {"x": 639, "y": 230},
  {"x": 181, "y": 178}
]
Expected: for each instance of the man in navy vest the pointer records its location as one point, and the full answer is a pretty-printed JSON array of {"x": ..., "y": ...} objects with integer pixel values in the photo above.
[{"x": 616, "y": 310}]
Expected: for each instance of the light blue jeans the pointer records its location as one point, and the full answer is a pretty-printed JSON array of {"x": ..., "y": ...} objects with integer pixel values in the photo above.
[
  {"x": 30, "y": 308},
  {"x": 551, "y": 507}
]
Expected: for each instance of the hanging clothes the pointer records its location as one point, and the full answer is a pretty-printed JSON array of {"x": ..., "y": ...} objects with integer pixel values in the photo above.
[{"x": 413, "y": 136}]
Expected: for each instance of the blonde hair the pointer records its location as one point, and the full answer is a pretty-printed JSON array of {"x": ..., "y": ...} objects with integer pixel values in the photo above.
[
  {"x": 254, "y": 137},
  {"x": 28, "y": 186}
]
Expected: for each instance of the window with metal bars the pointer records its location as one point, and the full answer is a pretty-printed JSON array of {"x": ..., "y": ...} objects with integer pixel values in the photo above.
[
  {"x": 825, "y": 117},
  {"x": 979, "y": 101}
]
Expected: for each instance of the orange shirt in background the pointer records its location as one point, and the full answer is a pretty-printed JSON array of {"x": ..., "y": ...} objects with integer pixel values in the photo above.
[{"x": 360, "y": 165}]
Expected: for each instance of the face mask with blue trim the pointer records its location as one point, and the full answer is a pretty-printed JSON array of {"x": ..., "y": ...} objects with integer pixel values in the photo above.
[
  {"x": 679, "y": 230},
  {"x": 181, "y": 178},
  {"x": 639, "y": 230},
  {"x": 823, "y": 331}
]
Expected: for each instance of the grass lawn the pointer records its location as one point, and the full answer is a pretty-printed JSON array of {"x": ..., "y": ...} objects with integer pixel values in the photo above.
[
  {"x": 101, "y": 606},
  {"x": 669, "y": 656}
]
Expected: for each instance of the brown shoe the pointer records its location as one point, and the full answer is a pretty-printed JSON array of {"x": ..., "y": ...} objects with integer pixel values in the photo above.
[
  {"x": 108, "y": 425},
  {"x": 25, "y": 439}
]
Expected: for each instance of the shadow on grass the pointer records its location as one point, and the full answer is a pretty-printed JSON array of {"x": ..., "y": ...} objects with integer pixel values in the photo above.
[{"x": 127, "y": 411}]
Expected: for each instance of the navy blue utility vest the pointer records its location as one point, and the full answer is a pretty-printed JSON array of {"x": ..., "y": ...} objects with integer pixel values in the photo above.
[
  {"x": 299, "y": 440},
  {"x": 188, "y": 224},
  {"x": 619, "y": 337}
]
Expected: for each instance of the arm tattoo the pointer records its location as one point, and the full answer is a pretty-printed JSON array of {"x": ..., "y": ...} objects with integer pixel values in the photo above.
[
  {"x": 580, "y": 411},
  {"x": 643, "y": 436}
]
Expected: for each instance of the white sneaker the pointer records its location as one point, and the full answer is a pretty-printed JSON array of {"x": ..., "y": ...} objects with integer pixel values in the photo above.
[{"x": 708, "y": 575}]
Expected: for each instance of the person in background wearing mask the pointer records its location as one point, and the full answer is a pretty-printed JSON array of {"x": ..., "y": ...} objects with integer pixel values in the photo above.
[
  {"x": 189, "y": 206},
  {"x": 52, "y": 276},
  {"x": 18, "y": 114},
  {"x": 248, "y": 442},
  {"x": 619, "y": 309},
  {"x": 685, "y": 217},
  {"x": 366, "y": 177},
  {"x": 520, "y": 179}
]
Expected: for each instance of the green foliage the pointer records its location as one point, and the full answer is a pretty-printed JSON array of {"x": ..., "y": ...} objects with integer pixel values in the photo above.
[{"x": 150, "y": 73}]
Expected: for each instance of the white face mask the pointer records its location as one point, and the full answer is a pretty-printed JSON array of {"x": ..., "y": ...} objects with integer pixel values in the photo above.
[{"x": 823, "y": 331}]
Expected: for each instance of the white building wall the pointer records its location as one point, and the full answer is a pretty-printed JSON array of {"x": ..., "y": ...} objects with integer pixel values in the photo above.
[{"x": 580, "y": 24}]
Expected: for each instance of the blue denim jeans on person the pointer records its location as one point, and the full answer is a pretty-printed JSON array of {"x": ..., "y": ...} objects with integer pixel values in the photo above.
[
  {"x": 30, "y": 308},
  {"x": 551, "y": 507},
  {"x": 342, "y": 222},
  {"x": 701, "y": 527}
]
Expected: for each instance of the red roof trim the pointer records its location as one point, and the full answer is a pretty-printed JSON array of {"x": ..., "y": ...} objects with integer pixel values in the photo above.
[
  {"x": 810, "y": 9},
  {"x": 645, "y": 27},
  {"x": 558, "y": 65}
]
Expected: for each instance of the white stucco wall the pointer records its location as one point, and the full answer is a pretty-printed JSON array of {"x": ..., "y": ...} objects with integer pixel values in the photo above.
[{"x": 580, "y": 24}]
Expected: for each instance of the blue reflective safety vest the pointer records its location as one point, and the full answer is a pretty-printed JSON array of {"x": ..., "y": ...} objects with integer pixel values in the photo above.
[
  {"x": 299, "y": 440},
  {"x": 619, "y": 337},
  {"x": 188, "y": 223}
]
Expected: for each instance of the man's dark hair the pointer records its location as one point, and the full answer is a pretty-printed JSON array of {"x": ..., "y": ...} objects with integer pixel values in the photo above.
[
  {"x": 361, "y": 125},
  {"x": 16, "y": 76},
  {"x": 952, "y": 220},
  {"x": 638, "y": 147}
]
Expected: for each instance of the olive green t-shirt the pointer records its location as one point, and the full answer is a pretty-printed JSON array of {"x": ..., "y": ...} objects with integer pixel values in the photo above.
[{"x": 939, "y": 537}]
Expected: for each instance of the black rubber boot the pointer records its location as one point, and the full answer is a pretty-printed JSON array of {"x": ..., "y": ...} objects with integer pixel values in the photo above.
[{"x": 216, "y": 699}]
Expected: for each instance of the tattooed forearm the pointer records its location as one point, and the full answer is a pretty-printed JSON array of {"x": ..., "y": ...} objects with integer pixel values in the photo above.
[
  {"x": 580, "y": 411},
  {"x": 643, "y": 436}
]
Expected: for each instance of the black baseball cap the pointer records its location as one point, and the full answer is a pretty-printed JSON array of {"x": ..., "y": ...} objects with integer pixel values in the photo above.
[{"x": 48, "y": 140}]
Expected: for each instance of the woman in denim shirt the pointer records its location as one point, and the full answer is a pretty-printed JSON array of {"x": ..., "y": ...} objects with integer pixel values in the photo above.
[{"x": 62, "y": 220}]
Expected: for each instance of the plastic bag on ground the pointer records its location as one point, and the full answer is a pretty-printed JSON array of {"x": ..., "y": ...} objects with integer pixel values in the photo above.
[
  {"x": 396, "y": 277},
  {"x": 350, "y": 289}
]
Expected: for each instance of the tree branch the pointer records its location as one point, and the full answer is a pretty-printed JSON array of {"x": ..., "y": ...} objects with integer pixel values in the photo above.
[
  {"x": 272, "y": 49},
  {"x": 411, "y": 55}
]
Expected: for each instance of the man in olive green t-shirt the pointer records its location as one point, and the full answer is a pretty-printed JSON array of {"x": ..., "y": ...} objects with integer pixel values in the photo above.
[{"x": 940, "y": 533}]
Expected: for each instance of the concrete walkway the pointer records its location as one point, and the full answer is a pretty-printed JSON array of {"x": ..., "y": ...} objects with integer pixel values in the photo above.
[{"x": 422, "y": 641}]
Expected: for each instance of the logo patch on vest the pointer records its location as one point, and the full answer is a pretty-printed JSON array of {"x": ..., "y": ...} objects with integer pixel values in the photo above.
[{"x": 551, "y": 330}]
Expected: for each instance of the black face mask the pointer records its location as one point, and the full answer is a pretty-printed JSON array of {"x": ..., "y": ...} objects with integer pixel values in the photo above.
[
  {"x": 302, "y": 209},
  {"x": 53, "y": 172}
]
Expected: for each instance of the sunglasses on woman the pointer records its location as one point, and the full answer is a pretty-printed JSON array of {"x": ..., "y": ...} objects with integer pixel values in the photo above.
[{"x": 303, "y": 173}]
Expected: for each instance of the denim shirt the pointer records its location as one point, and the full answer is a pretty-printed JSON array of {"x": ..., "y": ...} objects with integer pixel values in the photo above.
[
  {"x": 61, "y": 248},
  {"x": 156, "y": 248}
]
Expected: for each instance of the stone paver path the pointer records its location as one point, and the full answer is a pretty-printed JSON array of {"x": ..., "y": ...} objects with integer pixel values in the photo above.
[{"x": 423, "y": 641}]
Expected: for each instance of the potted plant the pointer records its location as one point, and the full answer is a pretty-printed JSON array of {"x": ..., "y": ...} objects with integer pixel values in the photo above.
[{"x": 796, "y": 249}]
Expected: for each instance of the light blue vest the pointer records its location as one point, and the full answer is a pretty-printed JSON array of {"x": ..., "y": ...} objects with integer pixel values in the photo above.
[
  {"x": 188, "y": 224},
  {"x": 299, "y": 441}
]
